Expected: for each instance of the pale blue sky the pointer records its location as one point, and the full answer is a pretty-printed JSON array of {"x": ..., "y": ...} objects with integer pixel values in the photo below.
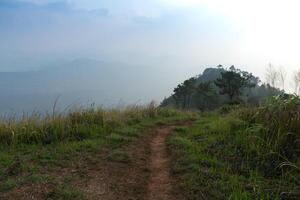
[{"x": 190, "y": 34}]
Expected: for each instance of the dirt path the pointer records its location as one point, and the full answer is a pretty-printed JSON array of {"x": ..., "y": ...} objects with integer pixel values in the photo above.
[
  {"x": 145, "y": 175},
  {"x": 160, "y": 183}
]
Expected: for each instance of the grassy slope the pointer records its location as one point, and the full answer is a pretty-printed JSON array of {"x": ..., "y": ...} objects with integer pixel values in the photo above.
[
  {"x": 32, "y": 150},
  {"x": 224, "y": 157}
]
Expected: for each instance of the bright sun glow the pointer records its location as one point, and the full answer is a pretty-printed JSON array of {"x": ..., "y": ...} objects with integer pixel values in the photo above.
[{"x": 270, "y": 28}]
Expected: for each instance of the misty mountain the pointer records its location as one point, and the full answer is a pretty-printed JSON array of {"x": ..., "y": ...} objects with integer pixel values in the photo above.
[{"x": 84, "y": 81}]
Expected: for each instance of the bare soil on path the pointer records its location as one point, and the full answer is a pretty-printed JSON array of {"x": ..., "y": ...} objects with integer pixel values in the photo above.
[{"x": 160, "y": 183}]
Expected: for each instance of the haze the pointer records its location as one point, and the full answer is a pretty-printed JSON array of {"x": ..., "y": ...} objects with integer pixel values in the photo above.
[{"x": 162, "y": 41}]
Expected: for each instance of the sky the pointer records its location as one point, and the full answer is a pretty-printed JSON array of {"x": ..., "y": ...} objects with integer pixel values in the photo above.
[{"x": 183, "y": 34}]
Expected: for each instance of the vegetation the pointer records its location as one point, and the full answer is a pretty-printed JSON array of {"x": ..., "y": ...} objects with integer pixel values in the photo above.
[
  {"x": 244, "y": 145},
  {"x": 220, "y": 86},
  {"x": 233, "y": 81},
  {"x": 183, "y": 93},
  {"x": 78, "y": 125},
  {"x": 33, "y": 148},
  {"x": 297, "y": 82},
  {"x": 241, "y": 152}
]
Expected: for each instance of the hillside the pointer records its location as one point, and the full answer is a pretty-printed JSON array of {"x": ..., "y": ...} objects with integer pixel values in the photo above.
[
  {"x": 126, "y": 100},
  {"x": 147, "y": 153},
  {"x": 88, "y": 154},
  {"x": 204, "y": 94},
  {"x": 239, "y": 153},
  {"x": 217, "y": 143}
]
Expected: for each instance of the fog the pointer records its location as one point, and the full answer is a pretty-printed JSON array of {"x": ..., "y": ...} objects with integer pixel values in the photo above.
[{"x": 135, "y": 50}]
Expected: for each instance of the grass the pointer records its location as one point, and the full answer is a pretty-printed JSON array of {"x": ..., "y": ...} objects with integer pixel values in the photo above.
[
  {"x": 77, "y": 125},
  {"x": 279, "y": 125},
  {"x": 66, "y": 193},
  {"x": 236, "y": 153},
  {"x": 119, "y": 156},
  {"x": 227, "y": 156},
  {"x": 8, "y": 185},
  {"x": 33, "y": 148}
]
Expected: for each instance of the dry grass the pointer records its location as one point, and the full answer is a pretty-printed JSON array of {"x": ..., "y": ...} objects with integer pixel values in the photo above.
[{"x": 77, "y": 124}]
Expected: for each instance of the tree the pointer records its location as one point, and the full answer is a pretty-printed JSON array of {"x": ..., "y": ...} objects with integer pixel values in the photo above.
[
  {"x": 282, "y": 76},
  {"x": 183, "y": 93},
  {"x": 178, "y": 93},
  {"x": 233, "y": 81},
  {"x": 272, "y": 76},
  {"x": 297, "y": 82},
  {"x": 189, "y": 88},
  {"x": 204, "y": 95}
]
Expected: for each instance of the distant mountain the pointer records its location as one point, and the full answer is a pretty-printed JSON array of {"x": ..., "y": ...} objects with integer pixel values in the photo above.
[{"x": 84, "y": 81}]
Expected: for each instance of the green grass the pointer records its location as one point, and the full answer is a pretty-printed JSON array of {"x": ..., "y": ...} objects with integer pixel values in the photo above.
[
  {"x": 119, "y": 156},
  {"x": 8, "y": 185},
  {"x": 77, "y": 125},
  {"x": 34, "y": 148},
  {"x": 66, "y": 193},
  {"x": 223, "y": 156},
  {"x": 235, "y": 153}
]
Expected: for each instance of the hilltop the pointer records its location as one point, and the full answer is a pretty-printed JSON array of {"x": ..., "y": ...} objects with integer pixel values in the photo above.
[{"x": 202, "y": 93}]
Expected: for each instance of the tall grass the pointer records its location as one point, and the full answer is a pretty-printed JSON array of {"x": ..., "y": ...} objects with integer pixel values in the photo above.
[
  {"x": 242, "y": 152},
  {"x": 77, "y": 124},
  {"x": 280, "y": 130},
  {"x": 274, "y": 137}
]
